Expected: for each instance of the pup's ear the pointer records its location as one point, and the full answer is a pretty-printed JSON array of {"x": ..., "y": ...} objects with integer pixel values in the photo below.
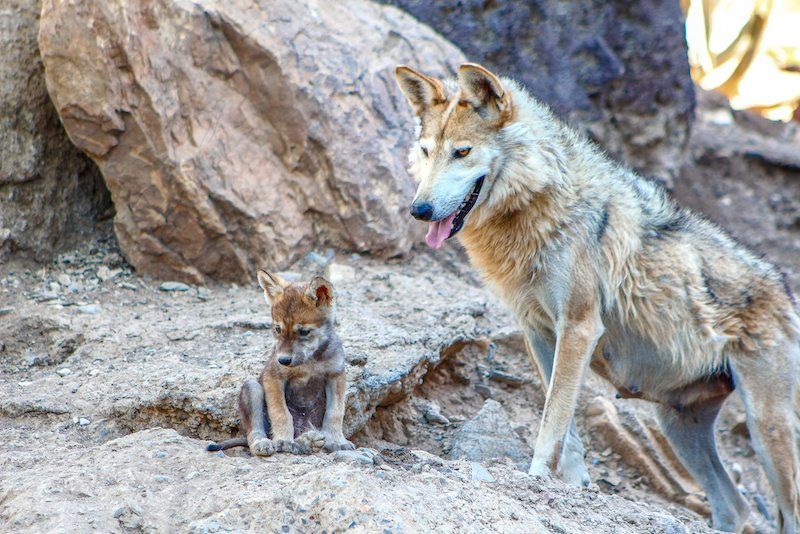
[
  {"x": 320, "y": 291},
  {"x": 483, "y": 90},
  {"x": 421, "y": 91},
  {"x": 272, "y": 284}
]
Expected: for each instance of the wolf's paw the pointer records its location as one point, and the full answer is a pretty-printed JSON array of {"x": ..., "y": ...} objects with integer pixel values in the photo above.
[
  {"x": 575, "y": 473},
  {"x": 262, "y": 447},
  {"x": 308, "y": 442},
  {"x": 338, "y": 443},
  {"x": 539, "y": 469}
]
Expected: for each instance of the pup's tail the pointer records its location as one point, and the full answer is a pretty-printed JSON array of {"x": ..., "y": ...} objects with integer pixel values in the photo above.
[{"x": 227, "y": 444}]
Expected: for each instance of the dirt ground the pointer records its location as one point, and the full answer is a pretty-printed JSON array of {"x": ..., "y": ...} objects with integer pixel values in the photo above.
[{"x": 94, "y": 358}]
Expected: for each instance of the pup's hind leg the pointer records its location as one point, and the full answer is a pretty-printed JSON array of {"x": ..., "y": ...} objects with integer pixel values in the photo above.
[
  {"x": 767, "y": 385},
  {"x": 572, "y": 467},
  {"x": 254, "y": 421},
  {"x": 691, "y": 434}
]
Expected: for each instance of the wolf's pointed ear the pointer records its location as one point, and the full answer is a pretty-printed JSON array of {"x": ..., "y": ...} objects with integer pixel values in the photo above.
[
  {"x": 272, "y": 284},
  {"x": 320, "y": 291},
  {"x": 421, "y": 91},
  {"x": 483, "y": 90}
]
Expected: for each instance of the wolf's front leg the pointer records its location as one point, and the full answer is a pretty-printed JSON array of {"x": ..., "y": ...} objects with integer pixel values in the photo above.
[
  {"x": 541, "y": 350},
  {"x": 279, "y": 417},
  {"x": 577, "y": 338},
  {"x": 335, "y": 389},
  {"x": 251, "y": 411}
]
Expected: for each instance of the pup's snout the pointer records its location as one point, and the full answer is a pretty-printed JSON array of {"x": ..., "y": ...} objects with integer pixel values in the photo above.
[
  {"x": 285, "y": 360},
  {"x": 422, "y": 210}
]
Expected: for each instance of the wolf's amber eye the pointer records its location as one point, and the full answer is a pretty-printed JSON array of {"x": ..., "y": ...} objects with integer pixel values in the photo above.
[
  {"x": 461, "y": 152},
  {"x": 424, "y": 151},
  {"x": 303, "y": 332}
]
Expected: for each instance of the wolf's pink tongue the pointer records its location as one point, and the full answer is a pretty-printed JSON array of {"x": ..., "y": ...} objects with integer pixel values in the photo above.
[{"x": 439, "y": 231}]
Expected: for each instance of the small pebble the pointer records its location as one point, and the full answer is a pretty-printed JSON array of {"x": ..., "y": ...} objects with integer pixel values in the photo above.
[
  {"x": 126, "y": 285},
  {"x": 203, "y": 293},
  {"x": 105, "y": 274},
  {"x": 162, "y": 478},
  {"x": 353, "y": 456},
  {"x": 64, "y": 279},
  {"x": 64, "y": 371},
  {"x": 161, "y": 454},
  {"x": 83, "y": 421},
  {"x": 480, "y": 473},
  {"x": 91, "y": 309},
  {"x": 736, "y": 470},
  {"x": 338, "y": 272},
  {"x": 6, "y": 311},
  {"x": 173, "y": 286}
]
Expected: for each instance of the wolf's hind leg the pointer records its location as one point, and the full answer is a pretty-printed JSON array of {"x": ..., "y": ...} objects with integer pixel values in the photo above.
[
  {"x": 767, "y": 383},
  {"x": 254, "y": 421},
  {"x": 691, "y": 434},
  {"x": 572, "y": 467}
]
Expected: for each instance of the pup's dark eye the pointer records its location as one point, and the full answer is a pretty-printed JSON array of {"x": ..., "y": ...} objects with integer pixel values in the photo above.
[
  {"x": 303, "y": 332},
  {"x": 277, "y": 329},
  {"x": 461, "y": 152},
  {"x": 424, "y": 151}
]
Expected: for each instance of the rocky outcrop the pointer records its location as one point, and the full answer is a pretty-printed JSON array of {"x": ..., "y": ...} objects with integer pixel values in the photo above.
[
  {"x": 618, "y": 68},
  {"x": 234, "y": 135},
  {"x": 490, "y": 435},
  {"x": 50, "y": 193}
]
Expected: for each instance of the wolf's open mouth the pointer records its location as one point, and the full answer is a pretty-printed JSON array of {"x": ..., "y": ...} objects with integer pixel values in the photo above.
[
  {"x": 444, "y": 229},
  {"x": 467, "y": 205}
]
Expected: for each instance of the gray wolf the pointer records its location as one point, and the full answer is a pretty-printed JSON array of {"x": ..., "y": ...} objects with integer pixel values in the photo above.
[
  {"x": 603, "y": 270},
  {"x": 303, "y": 386}
]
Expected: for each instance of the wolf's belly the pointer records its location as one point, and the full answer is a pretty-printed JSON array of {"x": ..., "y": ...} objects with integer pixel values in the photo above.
[{"x": 640, "y": 369}]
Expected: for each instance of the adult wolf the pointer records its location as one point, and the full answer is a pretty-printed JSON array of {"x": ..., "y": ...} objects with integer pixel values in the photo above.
[{"x": 602, "y": 268}]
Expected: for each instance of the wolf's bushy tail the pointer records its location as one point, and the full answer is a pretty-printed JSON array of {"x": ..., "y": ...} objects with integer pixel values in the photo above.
[{"x": 227, "y": 444}]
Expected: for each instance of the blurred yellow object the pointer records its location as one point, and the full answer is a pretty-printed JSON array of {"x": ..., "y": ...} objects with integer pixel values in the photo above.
[{"x": 749, "y": 50}]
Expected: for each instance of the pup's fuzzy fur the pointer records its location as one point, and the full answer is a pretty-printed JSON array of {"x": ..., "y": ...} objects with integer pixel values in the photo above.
[{"x": 602, "y": 268}]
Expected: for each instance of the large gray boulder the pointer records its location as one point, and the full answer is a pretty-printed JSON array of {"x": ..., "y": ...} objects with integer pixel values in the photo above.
[
  {"x": 619, "y": 68},
  {"x": 50, "y": 193}
]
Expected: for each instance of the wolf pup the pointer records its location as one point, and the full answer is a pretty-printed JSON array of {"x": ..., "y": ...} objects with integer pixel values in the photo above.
[
  {"x": 600, "y": 267},
  {"x": 302, "y": 387}
]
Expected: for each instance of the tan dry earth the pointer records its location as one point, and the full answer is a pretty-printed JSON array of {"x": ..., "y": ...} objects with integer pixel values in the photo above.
[
  {"x": 95, "y": 359},
  {"x": 232, "y": 131}
]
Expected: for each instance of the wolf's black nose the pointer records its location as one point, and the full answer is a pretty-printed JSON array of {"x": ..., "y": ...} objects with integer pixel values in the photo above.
[
  {"x": 422, "y": 211},
  {"x": 285, "y": 360}
]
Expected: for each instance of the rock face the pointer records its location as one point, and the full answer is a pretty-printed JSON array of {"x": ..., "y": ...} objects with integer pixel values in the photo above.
[
  {"x": 619, "y": 68},
  {"x": 50, "y": 194},
  {"x": 490, "y": 435},
  {"x": 234, "y": 135}
]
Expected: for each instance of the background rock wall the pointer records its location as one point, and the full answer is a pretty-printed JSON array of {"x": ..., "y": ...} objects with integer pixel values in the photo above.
[{"x": 51, "y": 195}]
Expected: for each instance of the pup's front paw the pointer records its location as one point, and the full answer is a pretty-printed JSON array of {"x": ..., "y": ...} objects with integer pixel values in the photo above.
[
  {"x": 262, "y": 447},
  {"x": 309, "y": 442},
  {"x": 285, "y": 445},
  {"x": 338, "y": 443}
]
